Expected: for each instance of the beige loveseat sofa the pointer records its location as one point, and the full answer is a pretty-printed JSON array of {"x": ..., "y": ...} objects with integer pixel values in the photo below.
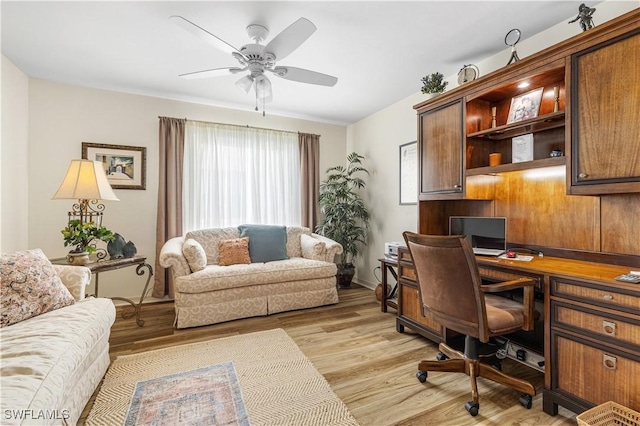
[
  {"x": 51, "y": 363},
  {"x": 219, "y": 293}
]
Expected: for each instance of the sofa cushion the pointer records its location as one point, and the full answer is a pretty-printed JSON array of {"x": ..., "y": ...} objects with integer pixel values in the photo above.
[
  {"x": 313, "y": 248},
  {"x": 234, "y": 252},
  {"x": 195, "y": 255},
  {"x": 210, "y": 238},
  {"x": 215, "y": 277},
  {"x": 30, "y": 286},
  {"x": 267, "y": 243},
  {"x": 44, "y": 358}
]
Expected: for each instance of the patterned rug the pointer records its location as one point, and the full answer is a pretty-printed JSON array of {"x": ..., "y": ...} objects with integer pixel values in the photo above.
[{"x": 259, "y": 379}]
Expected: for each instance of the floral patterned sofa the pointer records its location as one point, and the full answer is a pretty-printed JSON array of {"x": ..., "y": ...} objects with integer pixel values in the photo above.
[
  {"x": 54, "y": 342},
  {"x": 221, "y": 275}
]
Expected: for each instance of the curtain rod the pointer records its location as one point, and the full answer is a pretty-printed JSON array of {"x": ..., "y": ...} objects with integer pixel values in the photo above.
[{"x": 239, "y": 125}]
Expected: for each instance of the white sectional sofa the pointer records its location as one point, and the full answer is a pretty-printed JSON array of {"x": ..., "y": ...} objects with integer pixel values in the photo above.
[
  {"x": 52, "y": 363},
  {"x": 211, "y": 293}
]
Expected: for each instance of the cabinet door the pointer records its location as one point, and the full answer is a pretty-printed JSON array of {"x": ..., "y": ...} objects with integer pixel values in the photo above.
[
  {"x": 605, "y": 106},
  {"x": 441, "y": 151}
]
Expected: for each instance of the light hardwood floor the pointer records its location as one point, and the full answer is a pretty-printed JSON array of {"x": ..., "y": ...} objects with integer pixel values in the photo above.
[{"x": 369, "y": 365}]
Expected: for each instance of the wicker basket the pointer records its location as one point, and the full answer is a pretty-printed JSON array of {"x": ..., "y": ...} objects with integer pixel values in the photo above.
[{"x": 609, "y": 414}]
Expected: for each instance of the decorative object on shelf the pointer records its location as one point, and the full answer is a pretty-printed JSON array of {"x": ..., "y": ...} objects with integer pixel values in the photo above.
[
  {"x": 81, "y": 235},
  {"x": 511, "y": 39},
  {"x": 522, "y": 148},
  {"x": 525, "y": 106},
  {"x": 115, "y": 247},
  {"x": 495, "y": 159},
  {"x": 129, "y": 249},
  {"x": 585, "y": 14},
  {"x": 409, "y": 173},
  {"x": 346, "y": 218},
  {"x": 493, "y": 117},
  {"x": 468, "y": 73},
  {"x": 434, "y": 83},
  {"x": 125, "y": 166},
  {"x": 556, "y": 99},
  {"x": 85, "y": 181},
  {"x": 556, "y": 153},
  {"x": 378, "y": 291}
]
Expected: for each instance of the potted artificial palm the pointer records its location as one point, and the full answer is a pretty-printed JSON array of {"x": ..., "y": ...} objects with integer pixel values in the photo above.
[
  {"x": 81, "y": 235},
  {"x": 345, "y": 217}
]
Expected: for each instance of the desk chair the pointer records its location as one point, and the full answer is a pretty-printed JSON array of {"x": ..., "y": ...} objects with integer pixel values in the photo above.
[{"x": 451, "y": 290}]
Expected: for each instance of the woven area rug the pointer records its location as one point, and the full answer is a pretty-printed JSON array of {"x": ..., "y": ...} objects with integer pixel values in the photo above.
[{"x": 275, "y": 384}]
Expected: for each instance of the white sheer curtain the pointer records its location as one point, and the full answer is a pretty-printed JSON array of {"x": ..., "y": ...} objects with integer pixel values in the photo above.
[{"x": 235, "y": 175}]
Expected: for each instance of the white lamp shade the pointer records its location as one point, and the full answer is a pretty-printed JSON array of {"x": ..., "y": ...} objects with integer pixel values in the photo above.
[{"x": 85, "y": 180}]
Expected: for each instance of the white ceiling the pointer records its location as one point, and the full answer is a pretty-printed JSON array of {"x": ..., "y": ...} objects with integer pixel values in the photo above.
[{"x": 379, "y": 50}]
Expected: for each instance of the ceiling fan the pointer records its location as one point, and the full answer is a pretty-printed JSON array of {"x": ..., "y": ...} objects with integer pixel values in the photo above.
[{"x": 256, "y": 58}]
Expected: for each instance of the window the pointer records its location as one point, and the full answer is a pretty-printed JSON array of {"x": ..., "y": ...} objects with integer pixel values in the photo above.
[{"x": 235, "y": 175}]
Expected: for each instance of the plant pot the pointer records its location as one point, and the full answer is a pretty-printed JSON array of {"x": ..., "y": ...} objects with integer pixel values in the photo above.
[
  {"x": 78, "y": 259},
  {"x": 345, "y": 275}
]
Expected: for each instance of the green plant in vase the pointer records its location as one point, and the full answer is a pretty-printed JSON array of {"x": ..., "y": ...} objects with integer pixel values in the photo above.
[
  {"x": 81, "y": 235},
  {"x": 345, "y": 216}
]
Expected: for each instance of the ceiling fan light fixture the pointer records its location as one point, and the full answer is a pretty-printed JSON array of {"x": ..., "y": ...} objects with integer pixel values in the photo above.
[{"x": 245, "y": 83}]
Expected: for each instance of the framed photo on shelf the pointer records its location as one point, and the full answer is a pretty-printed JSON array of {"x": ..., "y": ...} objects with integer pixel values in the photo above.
[
  {"x": 525, "y": 106},
  {"x": 409, "y": 173},
  {"x": 125, "y": 166}
]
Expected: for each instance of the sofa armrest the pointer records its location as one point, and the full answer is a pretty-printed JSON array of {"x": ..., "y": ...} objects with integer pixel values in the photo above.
[
  {"x": 333, "y": 248},
  {"x": 75, "y": 279},
  {"x": 171, "y": 257}
]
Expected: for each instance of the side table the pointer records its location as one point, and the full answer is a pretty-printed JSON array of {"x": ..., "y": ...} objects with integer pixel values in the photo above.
[
  {"x": 104, "y": 265},
  {"x": 388, "y": 264}
]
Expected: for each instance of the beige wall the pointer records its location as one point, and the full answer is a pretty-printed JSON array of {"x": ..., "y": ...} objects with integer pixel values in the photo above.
[
  {"x": 379, "y": 136},
  {"x": 13, "y": 158},
  {"x": 61, "y": 117}
]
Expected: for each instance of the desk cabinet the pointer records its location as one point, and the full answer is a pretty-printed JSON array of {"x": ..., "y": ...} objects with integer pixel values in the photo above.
[
  {"x": 410, "y": 312},
  {"x": 594, "y": 336}
]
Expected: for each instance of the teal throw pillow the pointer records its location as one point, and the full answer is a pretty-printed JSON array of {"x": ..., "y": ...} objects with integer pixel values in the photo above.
[{"x": 266, "y": 242}]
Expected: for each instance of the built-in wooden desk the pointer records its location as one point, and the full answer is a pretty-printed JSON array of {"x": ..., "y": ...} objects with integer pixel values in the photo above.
[{"x": 591, "y": 327}]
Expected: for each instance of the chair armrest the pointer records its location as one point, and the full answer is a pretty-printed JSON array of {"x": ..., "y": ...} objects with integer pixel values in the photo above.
[
  {"x": 527, "y": 284},
  {"x": 75, "y": 279},
  {"x": 333, "y": 248},
  {"x": 171, "y": 257}
]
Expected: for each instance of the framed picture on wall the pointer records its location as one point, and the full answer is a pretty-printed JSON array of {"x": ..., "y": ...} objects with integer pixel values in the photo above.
[
  {"x": 125, "y": 166},
  {"x": 525, "y": 106},
  {"x": 409, "y": 173}
]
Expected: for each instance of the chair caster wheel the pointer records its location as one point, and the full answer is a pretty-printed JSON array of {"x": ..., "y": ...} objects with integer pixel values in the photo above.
[
  {"x": 526, "y": 401},
  {"x": 441, "y": 357},
  {"x": 421, "y": 376},
  {"x": 472, "y": 408}
]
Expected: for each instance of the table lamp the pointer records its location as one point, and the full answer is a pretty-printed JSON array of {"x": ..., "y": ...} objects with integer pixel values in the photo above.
[{"x": 87, "y": 182}]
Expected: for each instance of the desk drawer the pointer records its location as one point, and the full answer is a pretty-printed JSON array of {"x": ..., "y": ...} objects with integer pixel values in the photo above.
[
  {"x": 596, "y": 375},
  {"x": 595, "y": 323},
  {"x": 599, "y": 296}
]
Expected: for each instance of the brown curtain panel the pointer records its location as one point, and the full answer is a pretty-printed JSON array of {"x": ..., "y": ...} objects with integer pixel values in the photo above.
[
  {"x": 169, "y": 224},
  {"x": 309, "y": 178}
]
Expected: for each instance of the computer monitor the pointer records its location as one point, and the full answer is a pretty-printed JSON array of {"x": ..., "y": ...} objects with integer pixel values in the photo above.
[{"x": 488, "y": 235}]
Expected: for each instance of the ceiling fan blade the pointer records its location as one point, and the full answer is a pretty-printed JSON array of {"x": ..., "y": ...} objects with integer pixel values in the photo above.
[
  {"x": 305, "y": 76},
  {"x": 216, "y": 72},
  {"x": 203, "y": 34},
  {"x": 290, "y": 38}
]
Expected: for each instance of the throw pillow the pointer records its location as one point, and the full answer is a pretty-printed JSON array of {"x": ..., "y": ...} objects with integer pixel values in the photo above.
[
  {"x": 195, "y": 255},
  {"x": 312, "y": 248},
  {"x": 234, "y": 252},
  {"x": 266, "y": 242},
  {"x": 30, "y": 286}
]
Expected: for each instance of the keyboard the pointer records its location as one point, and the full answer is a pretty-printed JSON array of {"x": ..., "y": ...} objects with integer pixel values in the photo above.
[{"x": 487, "y": 252}]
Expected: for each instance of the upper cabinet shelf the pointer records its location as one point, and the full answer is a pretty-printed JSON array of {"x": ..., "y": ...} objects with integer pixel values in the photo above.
[{"x": 532, "y": 125}]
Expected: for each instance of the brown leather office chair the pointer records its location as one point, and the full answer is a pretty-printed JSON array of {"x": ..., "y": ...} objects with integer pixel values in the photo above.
[{"x": 451, "y": 290}]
